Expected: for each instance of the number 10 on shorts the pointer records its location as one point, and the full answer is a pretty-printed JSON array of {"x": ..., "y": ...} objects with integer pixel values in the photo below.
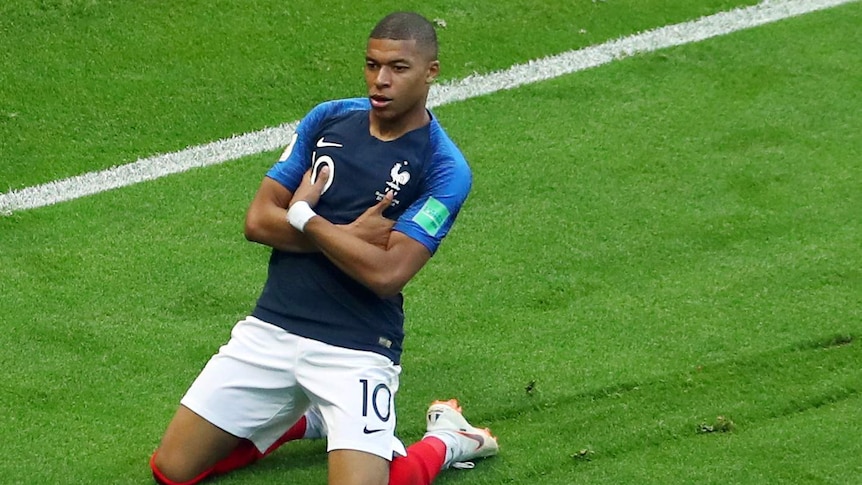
[{"x": 378, "y": 400}]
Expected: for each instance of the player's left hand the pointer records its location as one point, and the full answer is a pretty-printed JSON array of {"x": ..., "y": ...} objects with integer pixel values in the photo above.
[
  {"x": 372, "y": 227},
  {"x": 310, "y": 191}
]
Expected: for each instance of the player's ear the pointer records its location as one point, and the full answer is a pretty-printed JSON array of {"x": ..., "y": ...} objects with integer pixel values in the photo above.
[{"x": 433, "y": 72}]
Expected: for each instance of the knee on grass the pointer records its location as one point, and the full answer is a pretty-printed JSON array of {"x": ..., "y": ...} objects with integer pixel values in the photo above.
[{"x": 168, "y": 470}]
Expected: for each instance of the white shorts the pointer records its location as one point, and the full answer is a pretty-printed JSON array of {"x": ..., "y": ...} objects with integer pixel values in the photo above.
[{"x": 264, "y": 379}]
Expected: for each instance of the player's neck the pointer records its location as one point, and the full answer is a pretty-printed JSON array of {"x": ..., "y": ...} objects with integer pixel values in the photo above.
[{"x": 392, "y": 129}]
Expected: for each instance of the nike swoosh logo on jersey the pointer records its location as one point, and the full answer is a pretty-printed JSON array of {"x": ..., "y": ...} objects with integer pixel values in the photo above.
[
  {"x": 322, "y": 143},
  {"x": 371, "y": 431}
]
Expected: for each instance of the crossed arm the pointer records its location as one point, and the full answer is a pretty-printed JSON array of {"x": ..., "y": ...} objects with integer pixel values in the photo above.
[{"x": 366, "y": 249}]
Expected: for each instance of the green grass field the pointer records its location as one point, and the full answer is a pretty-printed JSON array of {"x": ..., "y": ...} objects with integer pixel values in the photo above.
[{"x": 665, "y": 250}]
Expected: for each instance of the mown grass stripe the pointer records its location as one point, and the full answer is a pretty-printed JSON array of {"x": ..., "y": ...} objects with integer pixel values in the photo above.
[{"x": 470, "y": 87}]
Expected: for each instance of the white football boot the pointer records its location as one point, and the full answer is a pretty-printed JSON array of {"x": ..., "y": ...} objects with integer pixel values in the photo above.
[{"x": 464, "y": 442}]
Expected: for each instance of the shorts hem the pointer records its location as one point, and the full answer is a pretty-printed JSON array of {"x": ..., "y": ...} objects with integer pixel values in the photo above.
[
  {"x": 207, "y": 414},
  {"x": 387, "y": 455}
]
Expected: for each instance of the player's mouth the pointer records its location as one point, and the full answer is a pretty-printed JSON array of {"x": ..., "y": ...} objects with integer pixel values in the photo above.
[{"x": 379, "y": 101}]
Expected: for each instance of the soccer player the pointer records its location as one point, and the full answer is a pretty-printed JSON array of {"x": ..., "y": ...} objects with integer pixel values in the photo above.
[{"x": 356, "y": 205}]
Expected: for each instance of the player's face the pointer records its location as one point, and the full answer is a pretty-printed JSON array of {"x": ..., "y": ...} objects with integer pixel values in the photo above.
[{"x": 397, "y": 75}]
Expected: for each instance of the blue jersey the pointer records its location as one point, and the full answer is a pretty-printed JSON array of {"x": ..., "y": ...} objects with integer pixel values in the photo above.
[{"x": 305, "y": 293}]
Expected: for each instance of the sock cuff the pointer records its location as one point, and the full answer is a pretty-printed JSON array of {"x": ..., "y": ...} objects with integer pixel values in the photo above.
[{"x": 447, "y": 440}]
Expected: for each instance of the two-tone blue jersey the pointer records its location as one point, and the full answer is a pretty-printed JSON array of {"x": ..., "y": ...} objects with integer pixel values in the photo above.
[{"x": 305, "y": 293}]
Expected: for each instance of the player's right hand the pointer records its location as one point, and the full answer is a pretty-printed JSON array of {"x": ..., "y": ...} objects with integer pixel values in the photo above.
[{"x": 310, "y": 191}]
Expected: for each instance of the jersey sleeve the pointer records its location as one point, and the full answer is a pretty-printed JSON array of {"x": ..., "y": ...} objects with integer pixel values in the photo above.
[
  {"x": 447, "y": 186},
  {"x": 296, "y": 158}
]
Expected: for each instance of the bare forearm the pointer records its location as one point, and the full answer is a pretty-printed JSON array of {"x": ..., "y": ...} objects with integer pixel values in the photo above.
[
  {"x": 363, "y": 261},
  {"x": 266, "y": 219},
  {"x": 273, "y": 230},
  {"x": 269, "y": 227}
]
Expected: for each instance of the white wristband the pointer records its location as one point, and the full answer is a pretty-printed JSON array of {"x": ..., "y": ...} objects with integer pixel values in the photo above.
[{"x": 299, "y": 214}]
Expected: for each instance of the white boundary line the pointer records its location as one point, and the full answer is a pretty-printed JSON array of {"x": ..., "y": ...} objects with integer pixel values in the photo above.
[{"x": 470, "y": 87}]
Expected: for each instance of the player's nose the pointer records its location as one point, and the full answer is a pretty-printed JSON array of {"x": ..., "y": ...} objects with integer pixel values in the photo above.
[{"x": 384, "y": 77}]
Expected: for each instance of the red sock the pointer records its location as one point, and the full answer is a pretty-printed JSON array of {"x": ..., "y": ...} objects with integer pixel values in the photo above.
[
  {"x": 246, "y": 453},
  {"x": 296, "y": 432},
  {"x": 421, "y": 465}
]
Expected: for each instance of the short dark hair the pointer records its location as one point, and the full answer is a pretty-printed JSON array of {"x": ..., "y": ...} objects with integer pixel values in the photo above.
[{"x": 408, "y": 26}]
